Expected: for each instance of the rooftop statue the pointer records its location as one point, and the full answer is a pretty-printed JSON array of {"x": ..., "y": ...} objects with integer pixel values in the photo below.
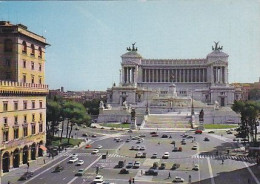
[
  {"x": 133, "y": 48},
  {"x": 217, "y": 48}
]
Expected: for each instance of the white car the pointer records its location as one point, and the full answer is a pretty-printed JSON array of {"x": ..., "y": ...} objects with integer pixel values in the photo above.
[
  {"x": 73, "y": 159},
  {"x": 129, "y": 165},
  {"x": 142, "y": 148},
  {"x": 139, "y": 154},
  {"x": 116, "y": 138},
  {"x": 99, "y": 147},
  {"x": 137, "y": 148},
  {"x": 166, "y": 155},
  {"x": 98, "y": 179},
  {"x": 178, "y": 179},
  {"x": 80, "y": 162},
  {"x": 136, "y": 164},
  {"x": 95, "y": 151}
]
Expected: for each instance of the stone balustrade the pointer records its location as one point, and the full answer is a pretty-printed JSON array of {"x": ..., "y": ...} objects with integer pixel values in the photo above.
[
  {"x": 22, "y": 87},
  {"x": 174, "y": 61}
]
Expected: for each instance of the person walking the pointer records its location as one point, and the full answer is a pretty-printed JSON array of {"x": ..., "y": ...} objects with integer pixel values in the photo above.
[
  {"x": 222, "y": 161},
  {"x": 141, "y": 172},
  {"x": 44, "y": 161},
  {"x": 130, "y": 181},
  {"x": 169, "y": 176},
  {"x": 133, "y": 180}
]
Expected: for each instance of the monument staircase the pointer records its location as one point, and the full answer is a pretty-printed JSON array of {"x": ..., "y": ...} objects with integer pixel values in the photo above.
[{"x": 169, "y": 120}]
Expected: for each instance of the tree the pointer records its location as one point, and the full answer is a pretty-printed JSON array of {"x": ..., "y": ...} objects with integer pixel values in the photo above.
[
  {"x": 254, "y": 94},
  {"x": 249, "y": 113},
  {"x": 53, "y": 114},
  {"x": 75, "y": 113}
]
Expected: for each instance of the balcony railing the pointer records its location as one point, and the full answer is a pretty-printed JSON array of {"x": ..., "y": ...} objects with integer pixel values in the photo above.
[{"x": 21, "y": 86}]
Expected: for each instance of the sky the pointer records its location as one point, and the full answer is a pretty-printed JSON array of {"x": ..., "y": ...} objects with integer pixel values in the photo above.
[{"x": 88, "y": 37}]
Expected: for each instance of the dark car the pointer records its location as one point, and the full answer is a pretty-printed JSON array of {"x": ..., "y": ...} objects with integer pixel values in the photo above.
[
  {"x": 163, "y": 165},
  {"x": 26, "y": 176},
  {"x": 164, "y": 136},
  {"x": 153, "y": 133},
  {"x": 211, "y": 132},
  {"x": 175, "y": 166},
  {"x": 206, "y": 139},
  {"x": 151, "y": 172},
  {"x": 124, "y": 171},
  {"x": 155, "y": 165},
  {"x": 198, "y": 132},
  {"x": 121, "y": 164},
  {"x": 58, "y": 168}
]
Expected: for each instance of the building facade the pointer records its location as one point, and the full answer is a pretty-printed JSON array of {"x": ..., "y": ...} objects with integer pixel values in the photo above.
[
  {"x": 206, "y": 79},
  {"x": 22, "y": 95}
]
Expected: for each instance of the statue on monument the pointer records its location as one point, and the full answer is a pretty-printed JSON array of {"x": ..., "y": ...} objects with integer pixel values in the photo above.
[
  {"x": 133, "y": 48},
  {"x": 216, "y": 106},
  {"x": 217, "y": 48},
  {"x": 101, "y": 104},
  {"x": 132, "y": 114}
]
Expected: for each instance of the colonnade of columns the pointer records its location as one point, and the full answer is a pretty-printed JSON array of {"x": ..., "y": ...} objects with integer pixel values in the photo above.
[
  {"x": 128, "y": 74},
  {"x": 175, "y": 75},
  {"x": 219, "y": 74}
]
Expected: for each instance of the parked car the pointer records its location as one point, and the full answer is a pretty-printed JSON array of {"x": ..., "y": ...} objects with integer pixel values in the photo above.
[
  {"x": 98, "y": 179},
  {"x": 58, "y": 168},
  {"x": 175, "y": 149},
  {"x": 26, "y": 176},
  {"x": 80, "y": 162},
  {"x": 162, "y": 166},
  {"x": 164, "y": 136},
  {"x": 136, "y": 164},
  {"x": 166, "y": 155},
  {"x": 151, "y": 172},
  {"x": 173, "y": 142},
  {"x": 129, "y": 165},
  {"x": 194, "y": 147},
  {"x": 154, "y": 155},
  {"x": 94, "y": 135},
  {"x": 121, "y": 164},
  {"x": 155, "y": 135},
  {"x": 99, "y": 147},
  {"x": 127, "y": 140},
  {"x": 95, "y": 151},
  {"x": 196, "y": 167},
  {"x": 211, "y": 132},
  {"x": 137, "y": 148},
  {"x": 80, "y": 172},
  {"x": 175, "y": 166},
  {"x": 183, "y": 142},
  {"x": 178, "y": 179},
  {"x": 74, "y": 155},
  {"x": 206, "y": 139},
  {"x": 229, "y": 132},
  {"x": 84, "y": 134},
  {"x": 88, "y": 146},
  {"x": 73, "y": 159},
  {"x": 124, "y": 171},
  {"x": 142, "y": 148},
  {"x": 138, "y": 155},
  {"x": 198, "y": 132},
  {"x": 190, "y": 137}
]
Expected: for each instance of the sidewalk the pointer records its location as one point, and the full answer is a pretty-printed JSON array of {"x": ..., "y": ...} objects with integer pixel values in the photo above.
[{"x": 14, "y": 174}]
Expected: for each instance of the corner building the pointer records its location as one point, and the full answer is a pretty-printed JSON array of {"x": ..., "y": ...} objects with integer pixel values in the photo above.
[{"x": 22, "y": 95}]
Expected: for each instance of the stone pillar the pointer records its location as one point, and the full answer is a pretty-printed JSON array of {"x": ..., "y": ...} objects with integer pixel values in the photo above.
[
  {"x": 184, "y": 75},
  {"x": 168, "y": 78},
  {"x": 188, "y": 75},
  {"x": 199, "y": 74},
  {"x": 133, "y": 74},
  {"x": 223, "y": 75},
  {"x": 149, "y": 75},
  {"x": 127, "y": 73},
  {"x": 191, "y": 74}
]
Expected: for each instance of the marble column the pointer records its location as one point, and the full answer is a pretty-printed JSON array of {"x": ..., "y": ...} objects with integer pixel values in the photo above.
[{"x": 133, "y": 75}]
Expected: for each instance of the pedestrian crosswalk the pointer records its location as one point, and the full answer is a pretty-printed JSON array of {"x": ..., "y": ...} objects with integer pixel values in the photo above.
[
  {"x": 98, "y": 154},
  {"x": 220, "y": 157}
]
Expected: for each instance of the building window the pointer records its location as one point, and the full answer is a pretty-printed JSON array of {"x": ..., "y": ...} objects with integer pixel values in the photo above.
[
  {"x": 40, "y": 116},
  {"x": 25, "y": 131},
  {"x": 24, "y": 64},
  {"x": 32, "y": 79},
  {"x": 40, "y": 127},
  {"x": 24, "y": 47},
  {"x": 16, "y": 133},
  {"x": 8, "y": 75},
  {"x": 40, "y": 104},
  {"x": 40, "y": 80},
  {"x": 25, "y": 118},
  {"x": 8, "y": 62},
  {"x": 16, "y": 120},
  {"x": 33, "y": 117},
  {"x": 33, "y": 128},
  {"x": 40, "y": 52},
  {"x": 5, "y": 106},
  {"x": 25, "y": 105},
  {"x": 15, "y": 106},
  {"x": 5, "y": 135},
  {"x": 24, "y": 78},
  {"x": 33, "y": 104},
  {"x": 32, "y": 64},
  {"x": 33, "y": 50},
  {"x": 8, "y": 45},
  {"x": 5, "y": 121},
  {"x": 40, "y": 67}
]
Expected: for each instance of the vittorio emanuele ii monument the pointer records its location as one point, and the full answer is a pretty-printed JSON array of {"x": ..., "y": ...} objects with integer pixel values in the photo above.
[{"x": 167, "y": 92}]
